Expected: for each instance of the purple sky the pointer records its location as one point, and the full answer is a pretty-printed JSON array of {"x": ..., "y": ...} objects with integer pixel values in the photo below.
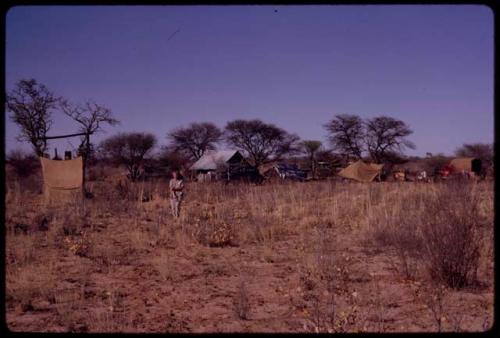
[{"x": 431, "y": 66}]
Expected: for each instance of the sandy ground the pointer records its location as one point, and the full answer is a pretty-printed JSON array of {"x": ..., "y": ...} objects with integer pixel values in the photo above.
[{"x": 199, "y": 285}]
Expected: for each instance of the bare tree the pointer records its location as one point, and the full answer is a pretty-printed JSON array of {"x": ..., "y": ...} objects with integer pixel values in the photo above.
[
  {"x": 263, "y": 142},
  {"x": 90, "y": 117},
  {"x": 346, "y": 134},
  {"x": 31, "y": 105},
  {"x": 386, "y": 138},
  {"x": 195, "y": 139},
  {"x": 129, "y": 149},
  {"x": 310, "y": 148}
]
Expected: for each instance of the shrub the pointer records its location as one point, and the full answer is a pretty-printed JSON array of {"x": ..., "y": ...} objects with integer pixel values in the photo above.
[
  {"x": 241, "y": 301},
  {"x": 451, "y": 234},
  {"x": 23, "y": 164},
  {"x": 30, "y": 282},
  {"x": 215, "y": 233},
  {"x": 400, "y": 230}
]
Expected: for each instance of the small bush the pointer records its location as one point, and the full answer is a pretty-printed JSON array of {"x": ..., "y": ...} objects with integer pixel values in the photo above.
[
  {"x": 215, "y": 233},
  {"x": 30, "y": 282},
  {"x": 451, "y": 235},
  {"x": 23, "y": 164},
  {"x": 400, "y": 231},
  {"x": 164, "y": 265},
  {"x": 241, "y": 301}
]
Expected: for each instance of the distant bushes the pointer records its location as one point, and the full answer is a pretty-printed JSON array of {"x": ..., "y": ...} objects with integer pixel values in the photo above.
[{"x": 24, "y": 170}]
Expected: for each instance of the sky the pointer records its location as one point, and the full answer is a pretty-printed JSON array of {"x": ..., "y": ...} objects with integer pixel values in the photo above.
[{"x": 162, "y": 67}]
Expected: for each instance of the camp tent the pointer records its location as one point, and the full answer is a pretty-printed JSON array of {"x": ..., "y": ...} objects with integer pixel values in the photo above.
[
  {"x": 361, "y": 171},
  {"x": 466, "y": 164},
  {"x": 222, "y": 164}
]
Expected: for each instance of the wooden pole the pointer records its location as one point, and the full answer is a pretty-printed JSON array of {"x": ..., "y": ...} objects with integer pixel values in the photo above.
[
  {"x": 62, "y": 136},
  {"x": 85, "y": 158}
]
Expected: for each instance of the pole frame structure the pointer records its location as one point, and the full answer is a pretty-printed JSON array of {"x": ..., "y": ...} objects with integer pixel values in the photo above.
[
  {"x": 64, "y": 136},
  {"x": 87, "y": 149}
]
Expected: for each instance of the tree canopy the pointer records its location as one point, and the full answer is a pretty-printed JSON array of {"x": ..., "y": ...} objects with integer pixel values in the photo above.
[
  {"x": 193, "y": 141},
  {"x": 382, "y": 138},
  {"x": 386, "y": 138},
  {"x": 31, "y": 106},
  {"x": 346, "y": 134},
  {"x": 129, "y": 149},
  {"x": 483, "y": 151},
  {"x": 261, "y": 141}
]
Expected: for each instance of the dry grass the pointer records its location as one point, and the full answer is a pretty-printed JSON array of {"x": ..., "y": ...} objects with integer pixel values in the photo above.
[
  {"x": 316, "y": 256},
  {"x": 241, "y": 301}
]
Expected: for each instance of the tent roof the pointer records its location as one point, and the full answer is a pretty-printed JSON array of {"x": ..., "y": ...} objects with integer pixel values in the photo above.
[
  {"x": 210, "y": 159},
  {"x": 412, "y": 166},
  {"x": 361, "y": 171}
]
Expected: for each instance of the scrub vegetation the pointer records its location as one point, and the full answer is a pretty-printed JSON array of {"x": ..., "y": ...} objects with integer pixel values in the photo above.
[{"x": 319, "y": 256}]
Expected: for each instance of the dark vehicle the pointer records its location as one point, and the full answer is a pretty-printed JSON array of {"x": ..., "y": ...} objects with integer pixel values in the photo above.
[
  {"x": 243, "y": 174},
  {"x": 291, "y": 172}
]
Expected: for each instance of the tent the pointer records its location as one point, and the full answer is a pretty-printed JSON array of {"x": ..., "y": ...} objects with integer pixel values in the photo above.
[
  {"x": 361, "y": 171},
  {"x": 223, "y": 164},
  {"x": 212, "y": 159},
  {"x": 467, "y": 164}
]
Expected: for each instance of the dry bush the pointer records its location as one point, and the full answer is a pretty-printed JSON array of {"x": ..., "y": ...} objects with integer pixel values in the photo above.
[
  {"x": 212, "y": 227},
  {"x": 394, "y": 223},
  {"x": 241, "y": 301},
  {"x": 21, "y": 250},
  {"x": 136, "y": 191},
  {"x": 139, "y": 240},
  {"x": 97, "y": 173},
  {"x": 67, "y": 305},
  {"x": 434, "y": 297},
  {"x": 110, "y": 315},
  {"x": 32, "y": 281},
  {"x": 164, "y": 265},
  {"x": 107, "y": 253},
  {"x": 73, "y": 220},
  {"x": 329, "y": 302},
  {"x": 23, "y": 170},
  {"x": 264, "y": 230},
  {"x": 451, "y": 234},
  {"x": 437, "y": 228},
  {"x": 215, "y": 233}
]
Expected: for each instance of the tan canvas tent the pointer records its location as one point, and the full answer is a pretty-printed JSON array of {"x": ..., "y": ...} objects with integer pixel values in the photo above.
[
  {"x": 466, "y": 164},
  {"x": 361, "y": 171}
]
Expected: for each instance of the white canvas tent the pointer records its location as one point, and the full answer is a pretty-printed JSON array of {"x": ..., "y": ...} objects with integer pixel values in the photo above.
[
  {"x": 206, "y": 167},
  {"x": 211, "y": 159}
]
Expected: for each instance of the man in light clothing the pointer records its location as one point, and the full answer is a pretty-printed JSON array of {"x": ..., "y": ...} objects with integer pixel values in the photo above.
[{"x": 176, "y": 186}]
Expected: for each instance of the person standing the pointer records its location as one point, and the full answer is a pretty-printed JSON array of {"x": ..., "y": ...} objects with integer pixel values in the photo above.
[{"x": 176, "y": 186}]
